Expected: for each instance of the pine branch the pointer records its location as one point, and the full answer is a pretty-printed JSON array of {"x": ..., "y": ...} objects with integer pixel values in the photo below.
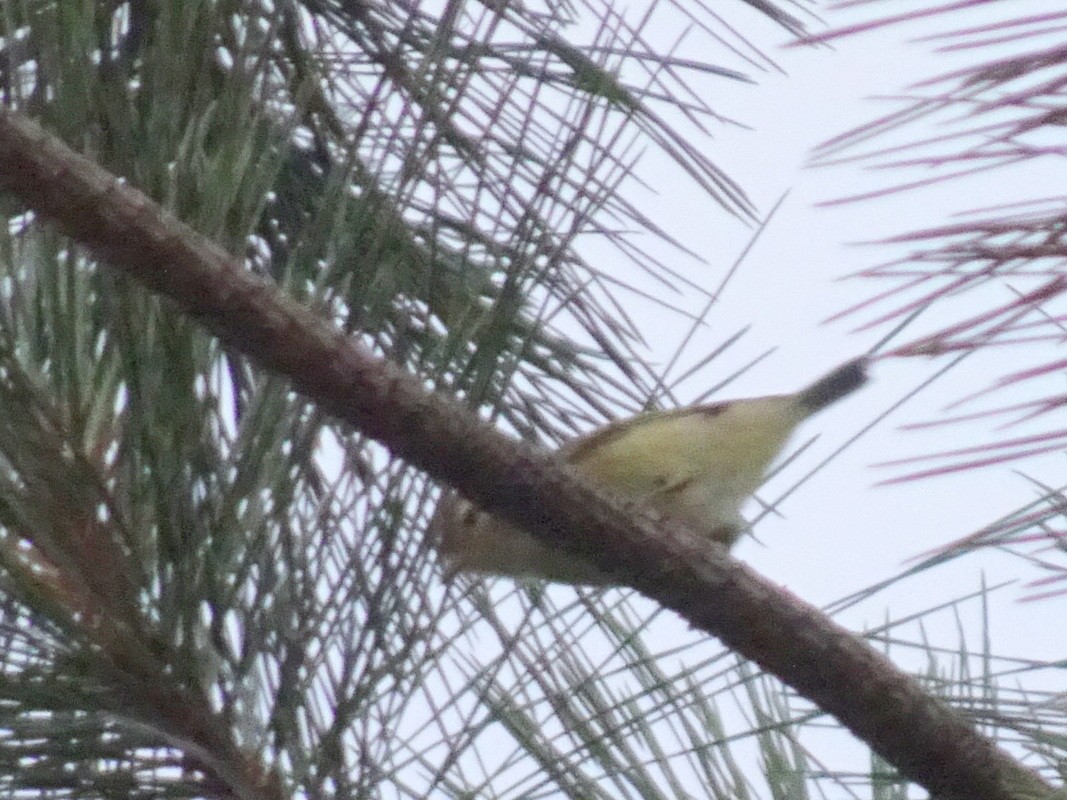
[{"x": 926, "y": 740}]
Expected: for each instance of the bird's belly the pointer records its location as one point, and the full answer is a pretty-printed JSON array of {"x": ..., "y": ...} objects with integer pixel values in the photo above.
[{"x": 711, "y": 506}]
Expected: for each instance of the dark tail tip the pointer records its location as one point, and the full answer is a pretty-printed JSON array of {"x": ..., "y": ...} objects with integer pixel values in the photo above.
[{"x": 841, "y": 382}]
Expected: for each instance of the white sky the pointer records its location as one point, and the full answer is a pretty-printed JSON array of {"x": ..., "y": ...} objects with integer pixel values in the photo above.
[{"x": 840, "y": 532}]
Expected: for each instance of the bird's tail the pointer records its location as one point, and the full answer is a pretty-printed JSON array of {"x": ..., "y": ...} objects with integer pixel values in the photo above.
[{"x": 829, "y": 389}]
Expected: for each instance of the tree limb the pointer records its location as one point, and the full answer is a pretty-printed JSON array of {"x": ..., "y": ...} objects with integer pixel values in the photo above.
[{"x": 928, "y": 741}]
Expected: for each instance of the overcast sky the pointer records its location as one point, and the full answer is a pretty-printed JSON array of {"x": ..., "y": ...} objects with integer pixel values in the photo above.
[{"x": 840, "y": 532}]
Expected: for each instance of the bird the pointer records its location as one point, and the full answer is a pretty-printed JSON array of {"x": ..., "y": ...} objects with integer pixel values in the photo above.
[{"x": 698, "y": 464}]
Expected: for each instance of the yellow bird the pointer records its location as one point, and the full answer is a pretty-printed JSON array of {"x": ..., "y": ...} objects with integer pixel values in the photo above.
[{"x": 698, "y": 464}]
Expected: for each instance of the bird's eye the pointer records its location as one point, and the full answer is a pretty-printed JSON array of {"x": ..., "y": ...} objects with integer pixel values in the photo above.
[{"x": 469, "y": 516}]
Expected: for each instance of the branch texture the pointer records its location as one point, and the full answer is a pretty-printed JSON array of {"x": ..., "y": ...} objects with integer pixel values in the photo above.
[{"x": 925, "y": 739}]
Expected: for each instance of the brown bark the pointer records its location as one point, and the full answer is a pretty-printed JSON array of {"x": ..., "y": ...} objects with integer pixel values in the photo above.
[{"x": 925, "y": 739}]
